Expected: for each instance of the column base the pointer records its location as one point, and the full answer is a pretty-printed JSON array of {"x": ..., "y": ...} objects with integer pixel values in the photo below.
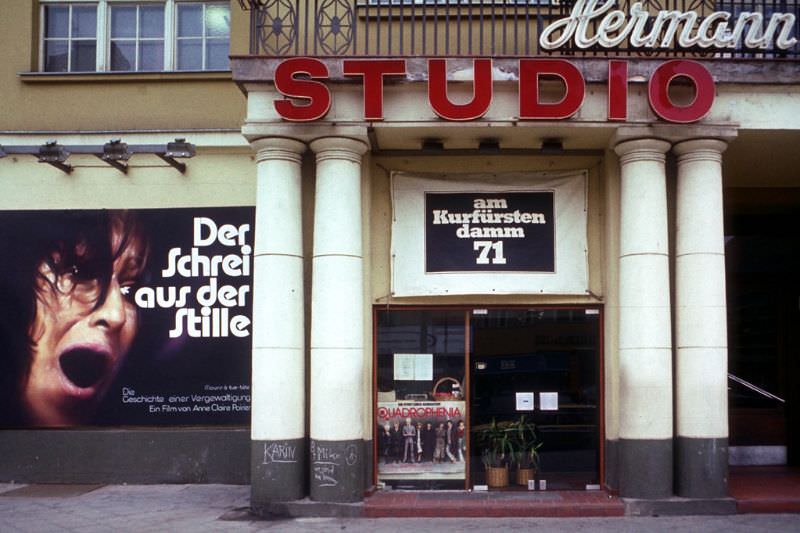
[
  {"x": 307, "y": 508},
  {"x": 278, "y": 471},
  {"x": 612, "y": 464},
  {"x": 337, "y": 470},
  {"x": 645, "y": 468},
  {"x": 702, "y": 468}
]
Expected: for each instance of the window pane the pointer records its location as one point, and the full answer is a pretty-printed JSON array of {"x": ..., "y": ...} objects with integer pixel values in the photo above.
[
  {"x": 190, "y": 54},
  {"x": 56, "y": 21},
  {"x": 190, "y": 20},
  {"x": 217, "y": 55},
  {"x": 83, "y": 55},
  {"x": 84, "y": 21},
  {"x": 151, "y": 21},
  {"x": 55, "y": 53},
  {"x": 123, "y": 22},
  {"x": 152, "y": 55},
  {"x": 218, "y": 21},
  {"x": 123, "y": 56}
]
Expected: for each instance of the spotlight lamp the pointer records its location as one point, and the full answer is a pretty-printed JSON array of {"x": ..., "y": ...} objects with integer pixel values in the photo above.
[
  {"x": 432, "y": 145},
  {"x": 552, "y": 145},
  {"x": 56, "y": 155},
  {"x": 490, "y": 146},
  {"x": 180, "y": 148},
  {"x": 116, "y": 154},
  {"x": 177, "y": 149}
]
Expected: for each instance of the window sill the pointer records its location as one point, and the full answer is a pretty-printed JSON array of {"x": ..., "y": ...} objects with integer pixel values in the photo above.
[{"x": 102, "y": 77}]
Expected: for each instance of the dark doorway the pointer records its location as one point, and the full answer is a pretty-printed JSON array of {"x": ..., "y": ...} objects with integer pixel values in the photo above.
[
  {"x": 550, "y": 356},
  {"x": 449, "y": 372},
  {"x": 762, "y": 264}
]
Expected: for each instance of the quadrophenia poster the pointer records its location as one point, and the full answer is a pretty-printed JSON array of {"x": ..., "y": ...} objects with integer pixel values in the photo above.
[{"x": 125, "y": 317}]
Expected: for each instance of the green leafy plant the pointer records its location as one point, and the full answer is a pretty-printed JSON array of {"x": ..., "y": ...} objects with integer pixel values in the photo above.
[
  {"x": 506, "y": 442},
  {"x": 525, "y": 443},
  {"x": 495, "y": 441}
]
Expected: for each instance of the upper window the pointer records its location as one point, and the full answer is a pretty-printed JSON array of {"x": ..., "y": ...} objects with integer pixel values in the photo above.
[
  {"x": 137, "y": 37},
  {"x": 203, "y": 36},
  {"x": 124, "y": 36},
  {"x": 70, "y": 37}
]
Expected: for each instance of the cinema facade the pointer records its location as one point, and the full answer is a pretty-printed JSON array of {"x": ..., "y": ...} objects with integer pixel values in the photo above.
[{"x": 576, "y": 214}]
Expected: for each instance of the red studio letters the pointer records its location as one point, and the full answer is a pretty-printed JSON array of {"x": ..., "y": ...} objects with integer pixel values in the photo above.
[{"x": 301, "y": 80}]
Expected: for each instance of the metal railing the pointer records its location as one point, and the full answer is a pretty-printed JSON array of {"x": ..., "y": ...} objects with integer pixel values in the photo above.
[
  {"x": 497, "y": 28},
  {"x": 755, "y": 388}
]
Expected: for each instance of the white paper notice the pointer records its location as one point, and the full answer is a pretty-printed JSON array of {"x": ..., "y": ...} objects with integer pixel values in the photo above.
[
  {"x": 524, "y": 401},
  {"x": 548, "y": 401},
  {"x": 423, "y": 367},
  {"x": 413, "y": 366},
  {"x": 404, "y": 367}
]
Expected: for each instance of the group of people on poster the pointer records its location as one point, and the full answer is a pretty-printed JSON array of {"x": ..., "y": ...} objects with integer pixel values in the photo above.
[{"x": 423, "y": 442}]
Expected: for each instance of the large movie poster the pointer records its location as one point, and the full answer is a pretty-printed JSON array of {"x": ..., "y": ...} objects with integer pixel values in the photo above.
[
  {"x": 421, "y": 440},
  {"x": 125, "y": 317}
]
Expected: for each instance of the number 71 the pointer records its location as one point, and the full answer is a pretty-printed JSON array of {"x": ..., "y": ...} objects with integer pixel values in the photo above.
[{"x": 485, "y": 247}]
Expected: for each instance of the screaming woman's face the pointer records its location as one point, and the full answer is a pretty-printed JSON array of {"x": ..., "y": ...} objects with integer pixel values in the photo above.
[{"x": 84, "y": 325}]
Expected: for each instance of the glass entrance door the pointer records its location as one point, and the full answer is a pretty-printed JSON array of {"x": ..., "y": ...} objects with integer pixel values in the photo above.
[
  {"x": 442, "y": 376},
  {"x": 539, "y": 366}
]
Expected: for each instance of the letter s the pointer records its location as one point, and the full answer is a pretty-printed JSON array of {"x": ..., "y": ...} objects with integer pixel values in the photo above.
[{"x": 315, "y": 92}]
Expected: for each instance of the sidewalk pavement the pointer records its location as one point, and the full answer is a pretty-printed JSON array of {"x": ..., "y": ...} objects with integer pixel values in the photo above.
[{"x": 207, "y": 508}]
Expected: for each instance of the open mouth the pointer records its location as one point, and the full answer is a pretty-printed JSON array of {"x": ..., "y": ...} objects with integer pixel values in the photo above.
[{"x": 84, "y": 367}]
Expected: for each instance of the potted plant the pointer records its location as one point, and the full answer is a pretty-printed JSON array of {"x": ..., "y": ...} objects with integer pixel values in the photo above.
[
  {"x": 525, "y": 445},
  {"x": 496, "y": 452}
]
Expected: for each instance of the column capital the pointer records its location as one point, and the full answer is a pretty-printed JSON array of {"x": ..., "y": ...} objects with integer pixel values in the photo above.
[
  {"x": 270, "y": 148},
  {"x": 673, "y": 133},
  {"x": 642, "y": 150},
  {"x": 345, "y": 148},
  {"x": 700, "y": 150}
]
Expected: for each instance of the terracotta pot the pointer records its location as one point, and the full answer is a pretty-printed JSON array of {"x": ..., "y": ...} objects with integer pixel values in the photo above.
[
  {"x": 524, "y": 475},
  {"x": 497, "y": 476}
]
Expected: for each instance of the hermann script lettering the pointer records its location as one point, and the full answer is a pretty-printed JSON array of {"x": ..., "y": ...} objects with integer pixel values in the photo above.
[{"x": 593, "y": 23}]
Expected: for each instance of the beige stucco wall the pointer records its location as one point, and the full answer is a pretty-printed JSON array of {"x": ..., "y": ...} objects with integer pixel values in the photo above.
[
  {"x": 118, "y": 102},
  {"x": 211, "y": 179}
]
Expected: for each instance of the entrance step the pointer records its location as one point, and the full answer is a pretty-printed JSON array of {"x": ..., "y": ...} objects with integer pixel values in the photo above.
[
  {"x": 492, "y": 504},
  {"x": 765, "y": 489},
  {"x": 680, "y": 506}
]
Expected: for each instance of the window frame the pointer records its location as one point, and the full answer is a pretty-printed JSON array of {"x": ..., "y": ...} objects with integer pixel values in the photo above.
[
  {"x": 103, "y": 36},
  {"x": 137, "y": 40},
  {"x": 43, "y": 39},
  {"x": 204, "y": 38}
]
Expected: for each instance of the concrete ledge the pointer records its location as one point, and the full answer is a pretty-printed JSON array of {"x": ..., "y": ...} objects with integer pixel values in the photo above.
[
  {"x": 307, "y": 508},
  {"x": 679, "y": 506}
]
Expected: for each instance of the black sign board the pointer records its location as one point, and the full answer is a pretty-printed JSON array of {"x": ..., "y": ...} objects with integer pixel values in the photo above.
[
  {"x": 497, "y": 231},
  {"x": 129, "y": 317}
]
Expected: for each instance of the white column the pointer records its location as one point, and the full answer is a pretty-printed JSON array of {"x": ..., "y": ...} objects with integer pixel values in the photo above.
[
  {"x": 337, "y": 324},
  {"x": 645, "y": 342},
  {"x": 278, "y": 434},
  {"x": 701, "y": 322}
]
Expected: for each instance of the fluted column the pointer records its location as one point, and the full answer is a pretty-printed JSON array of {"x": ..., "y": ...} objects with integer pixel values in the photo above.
[
  {"x": 337, "y": 324},
  {"x": 645, "y": 341},
  {"x": 700, "y": 316},
  {"x": 279, "y": 445}
]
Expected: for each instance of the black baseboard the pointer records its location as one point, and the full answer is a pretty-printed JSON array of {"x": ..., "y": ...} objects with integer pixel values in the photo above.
[{"x": 126, "y": 456}]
